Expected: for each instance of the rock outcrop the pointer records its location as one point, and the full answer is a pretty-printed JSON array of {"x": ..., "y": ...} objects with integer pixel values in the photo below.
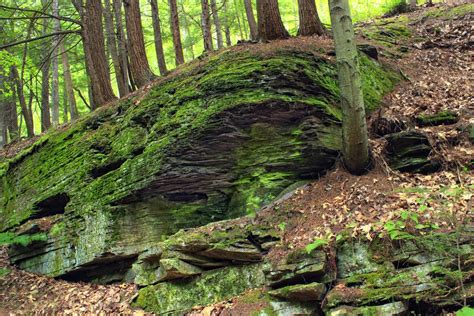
[{"x": 216, "y": 140}]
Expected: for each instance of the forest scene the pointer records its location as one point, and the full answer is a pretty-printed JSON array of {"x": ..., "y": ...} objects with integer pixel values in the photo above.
[{"x": 237, "y": 157}]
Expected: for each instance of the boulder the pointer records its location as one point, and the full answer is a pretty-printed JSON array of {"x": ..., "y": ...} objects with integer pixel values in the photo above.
[{"x": 301, "y": 292}]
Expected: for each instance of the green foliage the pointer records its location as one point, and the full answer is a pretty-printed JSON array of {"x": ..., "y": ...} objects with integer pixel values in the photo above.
[
  {"x": 4, "y": 272},
  {"x": 317, "y": 243},
  {"x": 465, "y": 311},
  {"x": 8, "y": 238}
]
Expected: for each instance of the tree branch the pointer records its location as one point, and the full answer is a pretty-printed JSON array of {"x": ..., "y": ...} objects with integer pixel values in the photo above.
[
  {"x": 38, "y": 38},
  {"x": 62, "y": 18}
]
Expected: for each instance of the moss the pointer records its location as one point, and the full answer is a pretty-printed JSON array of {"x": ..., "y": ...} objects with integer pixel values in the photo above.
[
  {"x": 440, "y": 118},
  {"x": 449, "y": 13},
  {"x": 139, "y": 141},
  {"x": 209, "y": 288}
]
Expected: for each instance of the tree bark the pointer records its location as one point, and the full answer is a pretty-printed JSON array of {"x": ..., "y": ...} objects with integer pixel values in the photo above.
[
  {"x": 55, "y": 66},
  {"x": 45, "y": 111},
  {"x": 354, "y": 127},
  {"x": 206, "y": 26},
  {"x": 11, "y": 111},
  {"x": 160, "y": 55},
  {"x": 24, "y": 107},
  {"x": 69, "y": 87},
  {"x": 217, "y": 24},
  {"x": 187, "y": 32},
  {"x": 236, "y": 7},
  {"x": 122, "y": 48},
  {"x": 251, "y": 20},
  {"x": 310, "y": 24},
  {"x": 228, "y": 39},
  {"x": 94, "y": 50},
  {"x": 112, "y": 47},
  {"x": 174, "y": 23},
  {"x": 141, "y": 72},
  {"x": 3, "y": 124},
  {"x": 270, "y": 25}
]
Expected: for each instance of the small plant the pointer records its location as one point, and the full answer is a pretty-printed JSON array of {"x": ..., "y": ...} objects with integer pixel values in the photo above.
[
  {"x": 317, "y": 243},
  {"x": 282, "y": 226}
]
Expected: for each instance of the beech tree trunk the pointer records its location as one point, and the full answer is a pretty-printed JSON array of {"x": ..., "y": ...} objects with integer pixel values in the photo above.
[
  {"x": 354, "y": 127},
  {"x": 122, "y": 48},
  {"x": 251, "y": 20},
  {"x": 55, "y": 66},
  {"x": 24, "y": 107},
  {"x": 270, "y": 25},
  {"x": 141, "y": 72},
  {"x": 174, "y": 23},
  {"x": 94, "y": 50},
  {"x": 160, "y": 55},
  {"x": 310, "y": 24},
  {"x": 206, "y": 26},
  {"x": 68, "y": 85},
  {"x": 217, "y": 24}
]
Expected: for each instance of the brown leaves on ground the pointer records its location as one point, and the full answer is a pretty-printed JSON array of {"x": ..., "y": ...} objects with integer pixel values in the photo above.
[{"x": 24, "y": 293}]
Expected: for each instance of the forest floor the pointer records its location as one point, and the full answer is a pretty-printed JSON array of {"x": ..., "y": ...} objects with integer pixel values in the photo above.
[{"x": 439, "y": 72}]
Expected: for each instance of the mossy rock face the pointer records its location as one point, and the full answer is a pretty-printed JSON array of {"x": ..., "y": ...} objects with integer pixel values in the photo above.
[
  {"x": 211, "y": 287},
  {"x": 217, "y": 140},
  {"x": 440, "y": 118}
]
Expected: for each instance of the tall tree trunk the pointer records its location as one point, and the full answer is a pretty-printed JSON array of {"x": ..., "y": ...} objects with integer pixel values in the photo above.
[
  {"x": 112, "y": 48},
  {"x": 228, "y": 39},
  {"x": 3, "y": 124},
  {"x": 141, "y": 72},
  {"x": 236, "y": 7},
  {"x": 69, "y": 87},
  {"x": 187, "y": 32},
  {"x": 12, "y": 113},
  {"x": 310, "y": 24},
  {"x": 174, "y": 23},
  {"x": 354, "y": 127},
  {"x": 206, "y": 26},
  {"x": 217, "y": 23},
  {"x": 412, "y": 3},
  {"x": 94, "y": 50},
  {"x": 55, "y": 66},
  {"x": 24, "y": 107},
  {"x": 251, "y": 20},
  {"x": 45, "y": 110},
  {"x": 270, "y": 25},
  {"x": 160, "y": 55},
  {"x": 65, "y": 101},
  {"x": 122, "y": 47}
]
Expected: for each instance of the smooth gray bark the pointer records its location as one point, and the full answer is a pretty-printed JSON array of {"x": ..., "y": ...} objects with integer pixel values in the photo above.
[
  {"x": 55, "y": 66},
  {"x": 354, "y": 127}
]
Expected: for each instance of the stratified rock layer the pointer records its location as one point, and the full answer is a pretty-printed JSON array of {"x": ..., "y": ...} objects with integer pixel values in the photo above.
[{"x": 217, "y": 140}]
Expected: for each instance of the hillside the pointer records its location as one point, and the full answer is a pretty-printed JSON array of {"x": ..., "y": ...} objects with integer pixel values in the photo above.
[{"x": 220, "y": 186}]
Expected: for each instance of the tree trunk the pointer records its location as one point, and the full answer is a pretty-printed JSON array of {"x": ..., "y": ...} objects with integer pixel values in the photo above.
[
  {"x": 270, "y": 25},
  {"x": 206, "y": 26},
  {"x": 45, "y": 111},
  {"x": 69, "y": 87},
  {"x": 24, "y": 107},
  {"x": 310, "y": 24},
  {"x": 122, "y": 48},
  {"x": 228, "y": 39},
  {"x": 354, "y": 127},
  {"x": 65, "y": 101},
  {"x": 112, "y": 48},
  {"x": 94, "y": 50},
  {"x": 217, "y": 23},
  {"x": 160, "y": 55},
  {"x": 187, "y": 32},
  {"x": 3, "y": 125},
  {"x": 141, "y": 72},
  {"x": 174, "y": 23},
  {"x": 251, "y": 20},
  {"x": 236, "y": 7},
  {"x": 55, "y": 66},
  {"x": 412, "y": 3},
  {"x": 12, "y": 113}
]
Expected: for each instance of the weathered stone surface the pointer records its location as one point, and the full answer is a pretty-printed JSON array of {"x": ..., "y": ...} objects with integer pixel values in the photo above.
[
  {"x": 440, "y": 118},
  {"x": 216, "y": 140},
  {"x": 297, "y": 270},
  {"x": 410, "y": 151},
  {"x": 356, "y": 258},
  {"x": 211, "y": 287},
  {"x": 171, "y": 269},
  {"x": 390, "y": 309},
  {"x": 301, "y": 292}
]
